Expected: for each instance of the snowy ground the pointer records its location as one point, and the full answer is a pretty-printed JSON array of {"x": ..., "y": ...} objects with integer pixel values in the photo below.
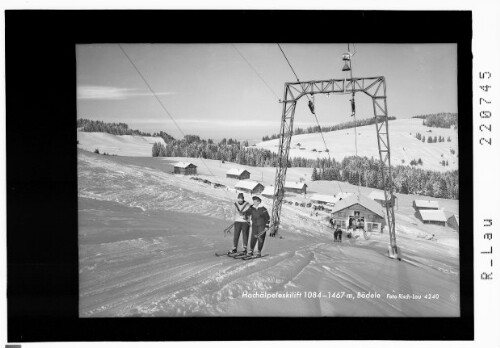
[
  {"x": 147, "y": 240},
  {"x": 121, "y": 145},
  {"x": 404, "y": 145}
]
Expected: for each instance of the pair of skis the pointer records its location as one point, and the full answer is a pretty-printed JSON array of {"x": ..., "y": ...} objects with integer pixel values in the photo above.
[{"x": 241, "y": 256}]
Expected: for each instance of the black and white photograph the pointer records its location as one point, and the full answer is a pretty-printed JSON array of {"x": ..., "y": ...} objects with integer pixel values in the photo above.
[
  {"x": 256, "y": 175},
  {"x": 264, "y": 179}
]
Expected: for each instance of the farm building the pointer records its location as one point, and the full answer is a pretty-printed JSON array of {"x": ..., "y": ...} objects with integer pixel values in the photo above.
[
  {"x": 323, "y": 199},
  {"x": 268, "y": 192},
  {"x": 295, "y": 187},
  {"x": 379, "y": 197},
  {"x": 359, "y": 206},
  {"x": 432, "y": 216},
  {"x": 249, "y": 186},
  {"x": 239, "y": 174},
  {"x": 453, "y": 221},
  {"x": 421, "y": 204},
  {"x": 185, "y": 168}
]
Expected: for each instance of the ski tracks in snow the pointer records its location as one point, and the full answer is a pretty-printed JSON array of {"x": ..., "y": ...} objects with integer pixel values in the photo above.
[{"x": 211, "y": 291}]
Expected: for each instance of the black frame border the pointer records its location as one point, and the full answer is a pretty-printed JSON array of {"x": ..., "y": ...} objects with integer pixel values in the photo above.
[{"x": 42, "y": 240}]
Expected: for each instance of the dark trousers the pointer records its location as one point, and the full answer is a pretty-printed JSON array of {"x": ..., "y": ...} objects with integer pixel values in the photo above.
[
  {"x": 337, "y": 235},
  {"x": 240, "y": 227},
  {"x": 253, "y": 240}
]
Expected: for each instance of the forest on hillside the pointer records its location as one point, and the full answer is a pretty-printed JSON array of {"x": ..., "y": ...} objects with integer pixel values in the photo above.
[
  {"x": 317, "y": 129},
  {"x": 367, "y": 172},
  {"x": 440, "y": 120},
  {"x": 355, "y": 170},
  {"x": 87, "y": 125}
]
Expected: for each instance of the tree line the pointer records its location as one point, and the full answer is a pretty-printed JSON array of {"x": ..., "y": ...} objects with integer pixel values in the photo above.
[
  {"x": 317, "y": 129},
  {"x": 87, "y": 125},
  {"x": 367, "y": 172},
  {"x": 430, "y": 139},
  {"x": 355, "y": 170},
  {"x": 440, "y": 120}
]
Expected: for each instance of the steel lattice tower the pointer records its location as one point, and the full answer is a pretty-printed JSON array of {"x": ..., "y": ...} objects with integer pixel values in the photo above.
[{"x": 374, "y": 87}]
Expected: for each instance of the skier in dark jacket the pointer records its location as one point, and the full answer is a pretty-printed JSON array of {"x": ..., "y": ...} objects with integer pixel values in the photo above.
[
  {"x": 241, "y": 223},
  {"x": 260, "y": 223}
]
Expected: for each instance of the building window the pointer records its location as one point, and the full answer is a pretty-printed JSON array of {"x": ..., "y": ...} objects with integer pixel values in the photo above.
[
  {"x": 372, "y": 227},
  {"x": 340, "y": 223}
]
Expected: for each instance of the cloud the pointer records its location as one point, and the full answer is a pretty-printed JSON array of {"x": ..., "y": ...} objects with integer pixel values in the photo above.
[{"x": 113, "y": 93}]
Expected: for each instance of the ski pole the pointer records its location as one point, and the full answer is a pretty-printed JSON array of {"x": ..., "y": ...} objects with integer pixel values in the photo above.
[
  {"x": 259, "y": 236},
  {"x": 227, "y": 230}
]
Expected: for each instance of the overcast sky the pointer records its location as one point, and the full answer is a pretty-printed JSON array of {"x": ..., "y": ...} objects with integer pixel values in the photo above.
[{"x": 211, "y": 91}]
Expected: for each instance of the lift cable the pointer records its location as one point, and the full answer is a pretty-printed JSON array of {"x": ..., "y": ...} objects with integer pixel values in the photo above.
[
  {"x": 356, "y": 146},
  {"x": 353, "y": 109},
  {"x": 291, "y": 67},
  {"x": 163, "y": 106},
  {"x": 315, "y": 116},
  {"x": 254, "y": 70}
]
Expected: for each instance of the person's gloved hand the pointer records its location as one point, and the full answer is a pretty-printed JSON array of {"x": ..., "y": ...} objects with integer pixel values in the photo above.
[{"x": 273, "y": 232}]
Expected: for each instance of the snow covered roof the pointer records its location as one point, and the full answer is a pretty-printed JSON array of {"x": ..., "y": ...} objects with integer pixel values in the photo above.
[
  {"x": 455, "y": 216},
  {"x": 343, "y": 195},
  {"x": 183, "y": 164},
  {"x": 238, "y": 172},
  {"x": 359, "y": 199},
  {"x": 246, "y": 184},
  {"x": 377, "y": 195},
  {"x": 295, "y": 185},
  {"x": 433, "y": 215},
  {"x": 268, "y": 190},
  {"x": 323, "y": 198},
  {"x": 420, "y": 203}
]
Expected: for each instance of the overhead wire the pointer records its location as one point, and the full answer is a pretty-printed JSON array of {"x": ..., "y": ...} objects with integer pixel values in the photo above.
[
  {"x": 353, "y": 105},
  {"x": 255, "y": 71},
  {"x": 163, "y": 106},
  {"x": 315, "y": 116},
  {"x": 291, "y": 67}
]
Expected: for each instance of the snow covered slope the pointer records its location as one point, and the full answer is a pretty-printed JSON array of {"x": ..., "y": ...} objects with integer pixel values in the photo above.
[
  {"x": 121, "y": 145},
  {"x": 147, "y": 240},
  {"x": 404, "y": 145}
]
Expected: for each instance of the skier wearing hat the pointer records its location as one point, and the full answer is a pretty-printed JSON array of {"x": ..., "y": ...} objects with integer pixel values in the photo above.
[
  {"x": 260, "y": 223},
  {"x": 241, "y": 223}
]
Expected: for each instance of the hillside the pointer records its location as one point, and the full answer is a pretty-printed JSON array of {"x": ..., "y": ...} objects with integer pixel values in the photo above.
[
  {"x": 404, "y": 145},
  {"x": 121, "y": 145},
  {"x": 147, "y": 239}
]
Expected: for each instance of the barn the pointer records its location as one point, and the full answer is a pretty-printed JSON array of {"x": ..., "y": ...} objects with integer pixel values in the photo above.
[
  {"x": 249, "y": 186},
  {"x": 268, "y": 192},
  {"x": 453, "y": 221},
  {"x": 421, "y": 204},
  {"x": 359, "y": 206},
  {"x": 295, "y": 187},
  {"x": 240, "y": 174},
  {"x": 185, "y": 168},
  {"x": 432, "y": 216},
  {"x": 379, "y": 197}
]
